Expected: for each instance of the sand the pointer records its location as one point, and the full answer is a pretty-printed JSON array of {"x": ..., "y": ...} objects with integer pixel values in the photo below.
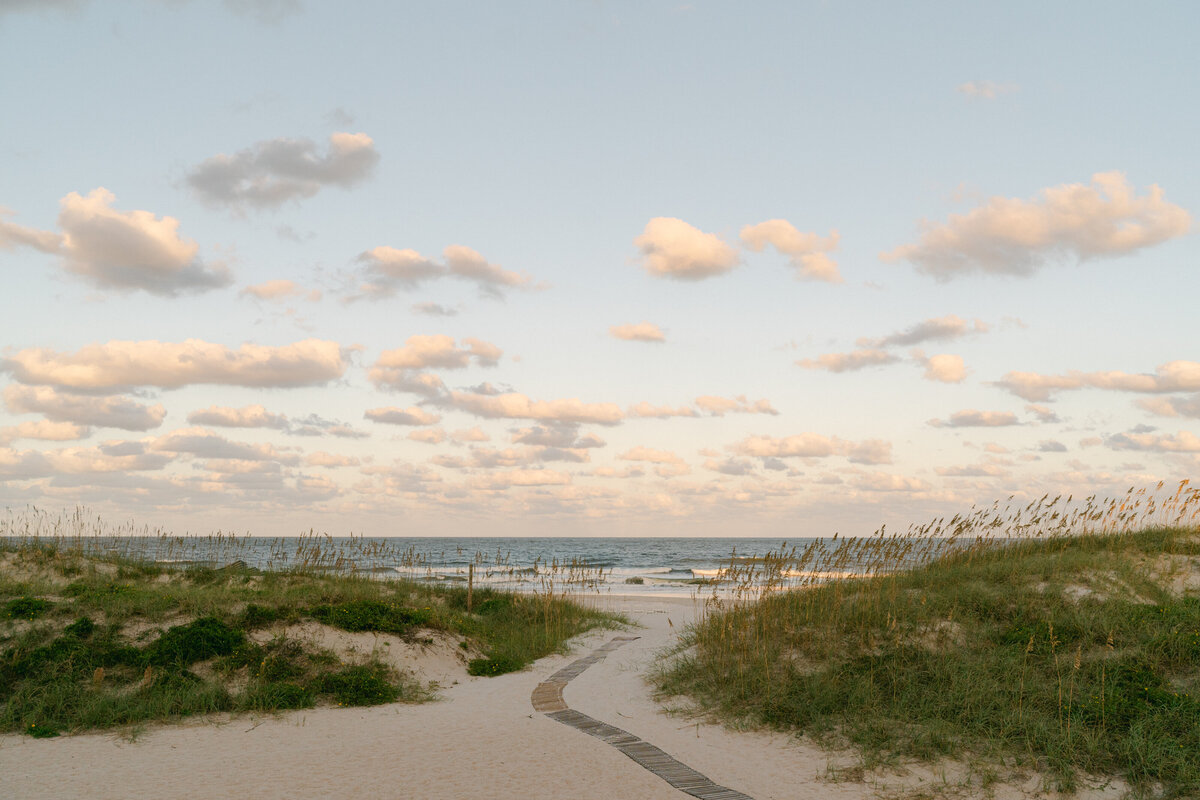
[{"x": 482, "y": 739}]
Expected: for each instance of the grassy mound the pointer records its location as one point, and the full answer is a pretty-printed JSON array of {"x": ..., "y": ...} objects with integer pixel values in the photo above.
[
  {"x": 99, "y": 642},
  {"x": 1069, "y": 655}
]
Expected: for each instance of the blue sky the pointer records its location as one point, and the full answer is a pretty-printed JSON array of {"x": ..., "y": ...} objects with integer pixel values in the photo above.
[{"x": 1029, "y": 168}]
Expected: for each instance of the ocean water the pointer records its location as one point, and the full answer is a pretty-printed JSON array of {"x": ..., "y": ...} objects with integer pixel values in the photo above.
[{"x": 654, "y": 566}]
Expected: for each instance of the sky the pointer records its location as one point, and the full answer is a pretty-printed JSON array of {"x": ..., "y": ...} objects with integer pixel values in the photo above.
[{"x": 593, "y": 268}]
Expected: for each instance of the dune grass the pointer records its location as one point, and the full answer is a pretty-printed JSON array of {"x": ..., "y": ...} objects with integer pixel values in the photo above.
[
  {"x": 1070, "y": 654},
  {"x": 92, "y": 642}
]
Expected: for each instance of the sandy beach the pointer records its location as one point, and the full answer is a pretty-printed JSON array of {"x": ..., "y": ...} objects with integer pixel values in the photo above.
[{"x": 482, "y": 738}]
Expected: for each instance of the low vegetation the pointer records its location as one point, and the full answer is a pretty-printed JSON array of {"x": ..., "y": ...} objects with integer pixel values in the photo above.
[
  {"x": 1074, "y": 652},
  {"x": 92, "y": 642}
]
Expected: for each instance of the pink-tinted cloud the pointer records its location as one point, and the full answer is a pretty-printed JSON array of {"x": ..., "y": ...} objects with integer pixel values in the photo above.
[
  {"x": 1182, "y": 442},
  {"x": 807, "y": 252},
  {"x": 119, "y": 365},
  {"x": 1188, "y": 406},
  {"x": 986, "y": 90},
  {"x": 330, "y": 460},
  {"x": 85, "y": 410},
  {"x": 513, "y": 405},
  {"x": 644, "y": 409},
  {"x": 402, "y": 416},
  {"x": 204, "y": 443},
  {"x": 971, "y": 418},
  {"x": 813, "y": 445},
  {"x": 720, "y": 406},
  {"x": 944, "y": 328},
  {"x": 422, "y": 352},
  {"x": 651, "y": 456},
  {"x": 638, "y": 332},
  {"x": 849, "y": 362},
  {"x": 671, "y": 248},
  {"x": 428, "y": 436},
  {"x": 1174, "y": 376},
  {"x": 280, "y": 289},
  {"x": 520, "y": 477},
  {"x": 1073, "y": 221},
  {"x": 252, "y": 416},
  {"x": 944, "y": 368},
  {"x": 44, "y": 429}
]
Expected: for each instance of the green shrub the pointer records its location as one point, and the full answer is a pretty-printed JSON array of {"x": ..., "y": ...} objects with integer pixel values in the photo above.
[
  {"x": 195, "y": 641},
  {"x": 276, "y": 696},
  {"x": 372, "y": 615},
  {"x": 25, "y": 608},
  {"x": 361, "y": 685},
  {"x": 491, "y": 667}
]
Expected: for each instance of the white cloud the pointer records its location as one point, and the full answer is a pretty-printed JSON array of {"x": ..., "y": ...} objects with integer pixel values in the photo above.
[
  {"x": 1174, "y": 376},
  {"x": 44, "y": 429},
  {"x": 252, "y": 416},
  {"x": 428, "y": 436},
  {"x": 463, "y": 262},
  {"x": 123, "y": 250},
  {"x": 206, "y": 444},
  {"x": 651, "y": 456},
  {"x": 330, "y": 460},
  {"x": 388, "y": 270},
  {"x": 1182, "y": 442},
  {"x": 1015, "y": 237},
  {"x": 402, "y": 416},
  {"x": 520, "y": 477},
  {"x": 270, "y": 173},
  {"x": 474, "y": 434},
  {"x": 813, "y": 445},
  {"x": 986, "y": 90},
  {"x": 720, "y": 406},
  {"x": 807, "y": 252},
  {"x": 944, "y": 328},
  {"x": 513, "y": 405},
  {"x": 280, "y": 289},
  {"x": 638, "y": 332},
  {"x": 884, "y": 482},
  {"x": 674, "y": 249},
  {"x": 644, "y": 409},
  {"x": 849, "y": 362},
  {"x": 1172, "y": 406},
  {"x": 943, "y": 367},
  {"x": 119, "y": 365},
  {"x": 101, "y": 412},
  {"x": 971, "y": 418},
  {"x": 421, "y": 352}
]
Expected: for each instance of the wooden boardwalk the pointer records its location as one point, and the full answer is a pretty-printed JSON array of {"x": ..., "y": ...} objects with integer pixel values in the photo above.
[{"x": 548, "y": 698}]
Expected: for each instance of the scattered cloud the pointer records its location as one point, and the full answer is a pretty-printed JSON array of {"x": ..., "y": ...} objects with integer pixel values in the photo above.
[
  {"x": 273, "y": 172},
  {"x": 986, "y": 90},
  {"x": 559, "y": 435},
  {"x": 1182, "y": 442},
  {"x": 252, "y": 416},
  {"x": 814, "y": 445},
  {"x": 279, "y": 290},
  {"x": 970, "y": 418},
  {"x": 651, "y": 456},
  {"x": 121, "y": 250},
  {"x": 422, "y": 352},
  {"x": 44, "y": 429},
  {"x": 644, "y": 409},
  {"x": 387, "y": 270},
  {"x": 203, "y": 443},
  {"x": 638, "y": 332},
  {"x": 849, "y": 362},
  {"x": 885, "y": 482},
  {"x": 428, "y": 436},
  {"x": 807, "y": 252},
  {"x": 944, "y": 368},
  {"x": 402, "y": 416},
  {"x": 520, "y": 477},
  {"x": 331, "y": 460},
  {"x": 120, "y": 365},
  {"x": 944, "y": 328},
  {"x": 513, "y": 405},
  {"x": 86, "y": 410},
  {"x": 1174, "y": 376},
  {"x": 1051, "y": 446},
  {"x": 1044, "y": 414},
  {"x": 434, "y": 310},
  {"x": 1188, "y": 406},
  {"x": 720, "y": 406},
  {"x": 671, "y": 248},
  {"x": 1009, "y": 236}
]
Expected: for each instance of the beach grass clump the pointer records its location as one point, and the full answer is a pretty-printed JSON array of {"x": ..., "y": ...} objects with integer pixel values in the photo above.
[
  {"x": 1072, "y": 654},
  {"x": 92, "y": 640}
]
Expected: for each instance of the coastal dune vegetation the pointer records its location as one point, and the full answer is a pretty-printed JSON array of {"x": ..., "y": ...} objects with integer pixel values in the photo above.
[
  {"x": 1058, "y": 638},
  {"x": 93, "y": 640}
]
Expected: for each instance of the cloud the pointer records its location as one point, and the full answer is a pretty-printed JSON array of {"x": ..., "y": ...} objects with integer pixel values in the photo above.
[
  {"x": 428, "y": 436},
  {"x": 970, "y": 418},
  {"x": 252, "y": 416},
  {"x": 119, "y": 365},
  {"x": 1172, "y": 406},
  {"x": 388, "y": 270},
  {"x": 44, "y": 429},
  {"x": 513, "y": 405},
  {"x": 651, "y": 456},
  {"x": 564, "y": 436},
  {"x": 330, "y": 460},
  {"x": 1182, "y": 442},
  {"x": 813, "y": 445},
  {"x": 644, "y": 409},
  {"x": 109, "y": 457},
  {"x": 123, "y": 250},
  {"x": 1009, "y": 236},
  {"x": 944, "y": 328},
  {"x": 806, "y": 251},
  {"x": 1043, "y": 413},
  {"x": 1051, "y": 446},
  {"x": 101, "y": 412},
  {"x": 474, "y": 434},
  {"x": 272, "y": 172},
  {"x": 671, "y": 248},
  {"x": 944, "y": 367},
  {"x": 520, "y": 477},
  {"x": 720, "y": 406},
  {"x": 986, "y": 90},
  {"x": 434, "y": 310},
  {"x": 206, "y": 444},
  {"x": 730, "y": 466},
  {"x": 1174, "y": 376},
  {"x": 849, "y": 362},
  {"x": 883, "y": 482},
  {"x": 638, "y": 332},
  {"x": 421, "y": 352},
  {"x": 279, "y": 290},
  {"x": 402, "y": 416},
  {"x": 973, "y": 471},
  {"x": 14, "y": 6}
]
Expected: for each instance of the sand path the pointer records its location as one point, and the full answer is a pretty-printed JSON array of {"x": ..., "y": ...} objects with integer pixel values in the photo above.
[{"x": 484, "y": 739}]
